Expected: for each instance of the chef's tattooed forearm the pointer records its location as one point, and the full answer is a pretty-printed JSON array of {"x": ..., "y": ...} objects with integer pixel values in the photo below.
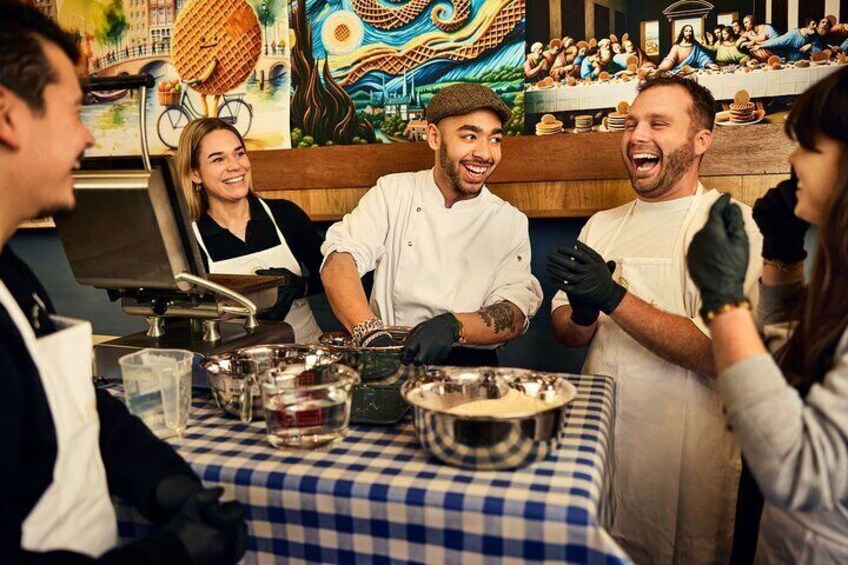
[{"x": 500, "y": 315}]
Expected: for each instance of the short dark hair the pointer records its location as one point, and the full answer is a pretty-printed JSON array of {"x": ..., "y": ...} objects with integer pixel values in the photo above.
[
  {"x": 805, "y": 22},
  {"x": 24, "y": 68},
  {"x": 703, "y": 109}
]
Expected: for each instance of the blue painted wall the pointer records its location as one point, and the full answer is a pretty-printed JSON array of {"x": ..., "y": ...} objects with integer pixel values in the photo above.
[{"x": 42, "y": 250}]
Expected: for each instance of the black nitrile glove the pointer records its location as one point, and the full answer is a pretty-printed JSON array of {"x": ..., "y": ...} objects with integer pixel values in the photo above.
[
  {"x": 172, "y": 492},
  {"x": 584, "y": 275},
  {"x": 431, "y": 342},
  {"x": 212, "y": 533},
  {"x": 291, "y": 290},
  {"x": 582, "y": 314},
  {"x": 718, "y": 256},
  {"x": 783, "y": 231}
]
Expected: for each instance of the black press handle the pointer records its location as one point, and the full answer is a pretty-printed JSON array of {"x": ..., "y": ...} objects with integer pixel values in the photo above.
[{"x": 132, "y": 82}]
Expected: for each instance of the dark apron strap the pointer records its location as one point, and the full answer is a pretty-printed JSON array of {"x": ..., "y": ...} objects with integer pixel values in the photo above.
[
  {"x": 749, "y": 509},
  {"x": 467, "y": 357}
]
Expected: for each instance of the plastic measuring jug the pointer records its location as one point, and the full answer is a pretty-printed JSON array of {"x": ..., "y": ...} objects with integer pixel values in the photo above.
[{"x": 157, "y": 387}]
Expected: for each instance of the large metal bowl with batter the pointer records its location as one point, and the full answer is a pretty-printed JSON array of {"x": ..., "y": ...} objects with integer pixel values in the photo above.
[{"x": 505, "y": 438}]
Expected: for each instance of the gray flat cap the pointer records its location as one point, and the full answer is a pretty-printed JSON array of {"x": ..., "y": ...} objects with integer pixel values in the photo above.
[{"x": 463, "y": 98}]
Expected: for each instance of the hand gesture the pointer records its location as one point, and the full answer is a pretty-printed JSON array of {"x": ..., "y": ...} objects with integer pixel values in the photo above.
[
  {"x": 718, "y": 256},
  {"x": 783, "y": 232},
  {"x": 584, "y": 275}
]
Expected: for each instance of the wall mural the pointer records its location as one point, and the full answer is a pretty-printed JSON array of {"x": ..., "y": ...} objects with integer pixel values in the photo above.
[
  {"x": 363, "y": 70},
  {"x": 225, "y": 58},
  {"x": 584, "y": 80}
]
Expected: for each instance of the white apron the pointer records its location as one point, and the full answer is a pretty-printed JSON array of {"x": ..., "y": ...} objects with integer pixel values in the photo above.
[
  {"x": 676, "y": 464},
  {"x": 300, "y": 316},
  {"x": 75, "y": 513}
]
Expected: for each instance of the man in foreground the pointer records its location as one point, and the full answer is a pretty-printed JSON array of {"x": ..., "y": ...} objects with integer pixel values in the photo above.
[{"x": 66, "y": 447}]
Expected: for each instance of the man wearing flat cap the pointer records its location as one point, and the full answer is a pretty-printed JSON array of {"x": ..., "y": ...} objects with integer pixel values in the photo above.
[{"x": 450, "y": 259}]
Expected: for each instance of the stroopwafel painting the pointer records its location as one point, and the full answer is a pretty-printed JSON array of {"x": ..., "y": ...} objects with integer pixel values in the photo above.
[{"x": 225, "y": 58}]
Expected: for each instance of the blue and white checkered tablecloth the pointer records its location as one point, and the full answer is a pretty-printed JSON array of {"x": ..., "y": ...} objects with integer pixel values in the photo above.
[{"x": 377, "y": 497}]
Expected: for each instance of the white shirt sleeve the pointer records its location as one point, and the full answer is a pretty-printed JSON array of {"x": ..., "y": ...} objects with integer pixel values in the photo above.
[
  {"x": 362, "y": 232},
  {"x": 559, "y": 299},
  {"x": 513, "y": 280}
]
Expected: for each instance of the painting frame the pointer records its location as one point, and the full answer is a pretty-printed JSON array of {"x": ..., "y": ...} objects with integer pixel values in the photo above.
[
  {"x": 649, "y": 37},
  {"x": 727, "y": 18}
]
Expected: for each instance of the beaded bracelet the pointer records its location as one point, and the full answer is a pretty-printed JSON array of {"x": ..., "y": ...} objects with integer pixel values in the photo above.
[
  {"x": 709, "y": 315},
  {"x": 365, "y": 327}
]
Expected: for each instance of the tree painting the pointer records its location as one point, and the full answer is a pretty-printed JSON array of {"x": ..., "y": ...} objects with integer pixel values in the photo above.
[
  {"x": 266, "y": 10},
  {"x": 114, "y": 24}
]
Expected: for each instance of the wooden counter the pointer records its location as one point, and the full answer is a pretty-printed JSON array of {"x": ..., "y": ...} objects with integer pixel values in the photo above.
[{"x": 546, "y": 177}]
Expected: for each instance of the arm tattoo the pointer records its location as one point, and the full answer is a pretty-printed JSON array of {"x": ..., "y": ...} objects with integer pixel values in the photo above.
[{"x": 500, "y": 314}]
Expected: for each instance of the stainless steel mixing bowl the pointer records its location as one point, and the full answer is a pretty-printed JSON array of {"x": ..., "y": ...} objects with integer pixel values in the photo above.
[
  {"x": 372, "y": 363},
  {"x": 233, "y": 375},
  {"x": 494, "y": 442}
]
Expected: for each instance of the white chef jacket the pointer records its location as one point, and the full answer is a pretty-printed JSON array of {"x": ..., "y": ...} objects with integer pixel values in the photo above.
[
  {"x": 676, "y": 464},
  {"x": 428, "y": 259}
]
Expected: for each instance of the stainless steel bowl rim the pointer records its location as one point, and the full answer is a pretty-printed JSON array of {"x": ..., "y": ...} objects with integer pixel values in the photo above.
[
  {"x": 212, "y": 363},
  {"x": 429, "y": 376},
  {"x": 351, "y": 378}
]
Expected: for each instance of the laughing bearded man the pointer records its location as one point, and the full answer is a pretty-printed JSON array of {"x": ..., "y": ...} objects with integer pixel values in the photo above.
[{"x": 625, "y": 293}]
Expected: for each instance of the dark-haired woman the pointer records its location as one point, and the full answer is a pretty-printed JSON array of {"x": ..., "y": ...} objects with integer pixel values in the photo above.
[{"x": 790, "y": 412}]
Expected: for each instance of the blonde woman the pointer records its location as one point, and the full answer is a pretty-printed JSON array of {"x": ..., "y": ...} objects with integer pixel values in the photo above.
[{"x": 240, "y": 233}]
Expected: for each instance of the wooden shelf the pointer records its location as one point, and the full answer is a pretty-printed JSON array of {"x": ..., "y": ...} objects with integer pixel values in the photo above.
[{"x": 546, "y": 177}]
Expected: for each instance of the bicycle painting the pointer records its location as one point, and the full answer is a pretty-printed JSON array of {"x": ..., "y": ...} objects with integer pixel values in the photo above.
[{"x": 232, "y": 109}]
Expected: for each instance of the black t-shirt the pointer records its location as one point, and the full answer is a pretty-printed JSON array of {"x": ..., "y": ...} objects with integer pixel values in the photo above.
[
  {"x": 28, "y": 292},
  {"x": 300, "y": 233}
]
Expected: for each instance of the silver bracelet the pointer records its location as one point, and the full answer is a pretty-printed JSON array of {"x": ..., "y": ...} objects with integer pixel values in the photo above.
[
  {"x": 371, "y": 337},
  {"x": 362, "y": 329}
]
